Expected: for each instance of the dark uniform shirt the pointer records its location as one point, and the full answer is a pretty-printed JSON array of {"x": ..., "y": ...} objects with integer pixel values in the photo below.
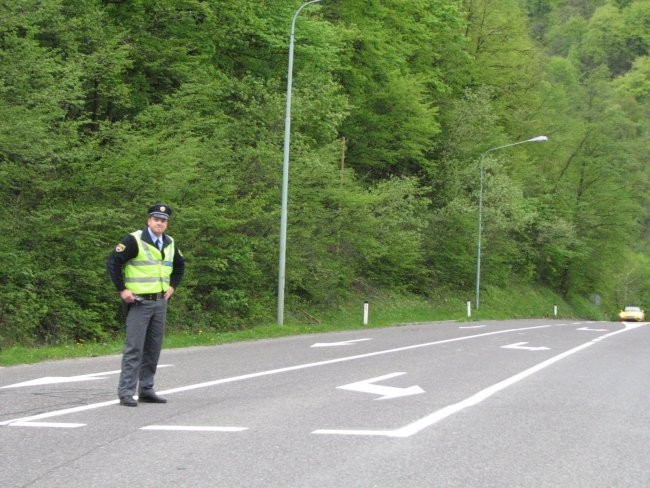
[{"x": 127, "y": 249}]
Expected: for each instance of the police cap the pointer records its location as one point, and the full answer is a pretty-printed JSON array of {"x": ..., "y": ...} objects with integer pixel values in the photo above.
[{"x": 160, "y": 210}]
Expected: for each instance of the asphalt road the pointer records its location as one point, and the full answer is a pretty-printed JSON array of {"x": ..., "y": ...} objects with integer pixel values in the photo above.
[{"x": 529, "y": 403}]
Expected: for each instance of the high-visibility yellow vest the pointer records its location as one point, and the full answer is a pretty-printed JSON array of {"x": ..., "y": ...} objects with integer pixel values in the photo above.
[{"x": 147, "y": 272}]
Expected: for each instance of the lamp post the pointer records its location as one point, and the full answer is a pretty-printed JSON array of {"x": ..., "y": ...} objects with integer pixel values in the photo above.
[
  {"x": 480, "y": 210},
  {"x": 285, "y": 172}
]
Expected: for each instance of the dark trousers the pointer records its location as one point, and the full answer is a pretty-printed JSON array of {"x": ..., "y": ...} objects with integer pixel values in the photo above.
[{"x": 145, "y": 327}]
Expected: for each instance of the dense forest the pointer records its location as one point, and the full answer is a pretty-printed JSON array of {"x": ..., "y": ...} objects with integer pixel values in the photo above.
[{"x": 109, "y": 106}]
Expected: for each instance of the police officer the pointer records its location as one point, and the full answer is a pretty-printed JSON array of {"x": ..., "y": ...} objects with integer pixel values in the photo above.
[{"x": 146, "y": 267}]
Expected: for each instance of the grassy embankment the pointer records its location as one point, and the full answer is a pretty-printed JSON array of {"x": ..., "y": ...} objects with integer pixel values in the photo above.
[{"x": 384, "y": 310}]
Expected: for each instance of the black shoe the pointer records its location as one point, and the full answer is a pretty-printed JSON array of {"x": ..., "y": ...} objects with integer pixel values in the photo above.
[
  {"x": 128, "y": 401},
  {"x": 151, "y": 397}
]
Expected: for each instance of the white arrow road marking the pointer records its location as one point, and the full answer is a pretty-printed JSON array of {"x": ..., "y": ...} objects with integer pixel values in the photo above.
[
  {"x": 435, "y": 417},
  {"x": 194, "y": 428},
  {"x": 595, "y": 330},
  {"x": 342, "y": 343},
  {"x": 52, "y": 380},
  {"x": 386, "y": 392},
  {"x": 520, "y": 345},
  {"x": 62, "y": 425}
]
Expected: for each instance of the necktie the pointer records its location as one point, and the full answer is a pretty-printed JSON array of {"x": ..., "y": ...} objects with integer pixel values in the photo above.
[{"x": 159, "y": 244}]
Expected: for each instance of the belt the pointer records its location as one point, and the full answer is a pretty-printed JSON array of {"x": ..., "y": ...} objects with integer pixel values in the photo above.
[{"x": 151, "y": 296}]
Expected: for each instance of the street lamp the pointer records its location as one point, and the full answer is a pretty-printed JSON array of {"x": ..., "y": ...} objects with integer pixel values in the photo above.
[
  {"x": 480, "y": 210},
  {"x": 285, "y": 172}
]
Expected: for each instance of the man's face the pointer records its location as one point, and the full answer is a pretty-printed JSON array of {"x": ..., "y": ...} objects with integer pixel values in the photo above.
[{"x": 157, "y": 225}]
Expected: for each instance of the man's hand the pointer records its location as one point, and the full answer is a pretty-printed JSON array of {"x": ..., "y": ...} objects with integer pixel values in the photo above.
[
  {"x": 127, "y": 295},
  {"x": 170, "y": 291}
]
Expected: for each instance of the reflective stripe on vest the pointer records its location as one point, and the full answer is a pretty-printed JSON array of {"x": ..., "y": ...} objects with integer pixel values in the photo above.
[{"x": 148, "y": 272}]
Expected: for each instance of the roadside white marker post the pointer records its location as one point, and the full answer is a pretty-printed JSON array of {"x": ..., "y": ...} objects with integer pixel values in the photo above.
[
  {"x": 555, "y": 311},
  {"x": 469, "y": 309},
  {"x": 365, "y": 313}
]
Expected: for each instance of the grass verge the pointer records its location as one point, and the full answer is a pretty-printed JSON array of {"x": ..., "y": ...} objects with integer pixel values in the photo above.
[{"x": 383, "y": 310}]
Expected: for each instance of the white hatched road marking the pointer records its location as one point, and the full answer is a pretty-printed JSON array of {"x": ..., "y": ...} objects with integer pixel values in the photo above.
[
  {"x": 193, "y": 428},
  {"x": 521, "y": 345},
  {"x": 335, "y": 344}
]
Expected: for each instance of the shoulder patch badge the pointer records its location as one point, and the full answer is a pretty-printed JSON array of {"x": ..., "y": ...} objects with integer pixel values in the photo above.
[{"x": 120, "y": 247}]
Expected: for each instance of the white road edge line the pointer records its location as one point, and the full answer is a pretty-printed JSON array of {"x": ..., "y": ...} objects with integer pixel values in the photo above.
[
  {"x": 92, "y": 406},
  {"x": 443, "y": 413}
]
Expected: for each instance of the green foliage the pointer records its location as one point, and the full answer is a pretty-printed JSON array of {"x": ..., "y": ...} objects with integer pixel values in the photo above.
[
  {"x": 615, "y": 36},
  {"x": 108, "y": 106},
  {"x": 388, "y": 76}
]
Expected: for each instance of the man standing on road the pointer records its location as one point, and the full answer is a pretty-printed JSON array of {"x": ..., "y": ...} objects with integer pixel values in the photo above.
[{"x": 146, "y": 267}]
